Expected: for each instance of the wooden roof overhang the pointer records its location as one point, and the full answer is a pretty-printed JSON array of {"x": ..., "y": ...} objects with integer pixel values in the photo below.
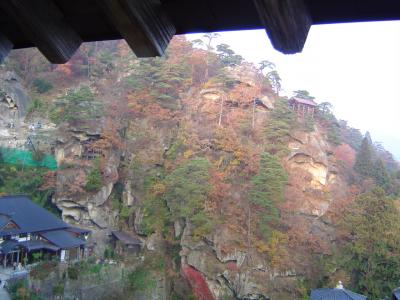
[{"x": 58, "y": 27}]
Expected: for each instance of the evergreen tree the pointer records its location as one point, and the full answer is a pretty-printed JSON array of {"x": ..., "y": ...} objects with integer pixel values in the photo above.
[
  {"x": 228, "y": 56},
  {"x": 303, "y": 94},
  {"x": 275, "y": 80},
  {"x": 164, "y": 81},
  {"x": 94, "y": 180},
  {"x": 381, "y": 175},
  {"x": 350, "y": 136},
  {"x": 281, "y": 121},
  {"x": 265, "y": 64},
  {"x": 186, "y": 190},
  {"x": 267, "y": 191},
  {"x": 329, "y": 121},
  {"x": 334, "y": 132},
  {"x": 76, "y": 105},
  {"x": 364, "y": 164},
  {"x": 372, "y": 254},
  {"x": 325, "y": 108}
]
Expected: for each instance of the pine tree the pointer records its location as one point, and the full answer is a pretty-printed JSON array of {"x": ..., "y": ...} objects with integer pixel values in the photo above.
[
  {"x": 268, "y": 190},
  {"x": 76, "y": 105},
  {"x": 372, "y": 253},
  {"x": 364, "y": 164},
  {"x": 186, "y": 190},
  {"x": 303, "y": 94},
  {"x": 281, "y": 121},
  {"x": 381, "y": 175},
  {"x": 94, "y": 180}
]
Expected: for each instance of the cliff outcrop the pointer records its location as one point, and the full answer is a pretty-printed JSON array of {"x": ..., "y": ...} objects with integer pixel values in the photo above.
[{"x": 164, "y": 117}]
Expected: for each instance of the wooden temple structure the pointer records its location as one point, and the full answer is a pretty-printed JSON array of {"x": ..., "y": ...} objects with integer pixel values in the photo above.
[
  {"x": 303, "y": 107},
  {"x": 125, "y": 243},
  {"x": 26, "y": 228},
  {"x": 58, "y": 27}
]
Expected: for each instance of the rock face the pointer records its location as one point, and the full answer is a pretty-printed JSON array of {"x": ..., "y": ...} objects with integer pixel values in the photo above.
[
  {"x": 13, "y": 97},
  {"x": 229, "y": 262},
  {"x": 312, "y": 172},
  {"x": 75, "y": 160},
  {"x": 15, "y": 130},
  {"x": 13, "y": 105},
  {"x": 222, "y": 264},
  {"x": 232, "y": 273}
]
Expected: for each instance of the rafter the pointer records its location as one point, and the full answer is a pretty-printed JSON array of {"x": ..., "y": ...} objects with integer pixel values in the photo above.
[
  {"x": 5, "y": 47},
  {"x": 43, "y": 23},
  {"x": 142, "y": 23},
  {"x": 287, "y": 23}
]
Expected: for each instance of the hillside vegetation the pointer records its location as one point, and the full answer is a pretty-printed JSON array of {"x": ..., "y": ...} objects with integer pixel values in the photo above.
[{"x": 200, "y": 155}]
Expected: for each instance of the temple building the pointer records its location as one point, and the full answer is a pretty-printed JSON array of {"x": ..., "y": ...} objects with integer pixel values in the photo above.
[
  {"x": 26, "y": 229},
  {"x": 125, "y": 243},
  {"x": 303, "y": 107}
]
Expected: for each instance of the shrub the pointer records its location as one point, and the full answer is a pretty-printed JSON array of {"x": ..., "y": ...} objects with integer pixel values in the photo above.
[
  {"x": 94, "y": 180},
  {"x": 43, "y": 269},
  {"x": 109, "y": 253},
  {"x": 58, "y": 289},
  {"x": 41, "y": 85},
  {"x": 21, "y": 291},
  {"x": 38, "y": 155},
  {"x": 37, "y": 105},
  {"x": 141, "y": 280},
  {"x": 73, "y": 272}
]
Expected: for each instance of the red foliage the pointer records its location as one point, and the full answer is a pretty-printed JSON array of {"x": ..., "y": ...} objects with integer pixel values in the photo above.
[
  {"x": 232, "y": 266},
  {"x": 219, "y": 191},
  {"x": 64, "y": 69},
  {"x": 198, "y": 283},
  {"x": 345, "y": 153}
]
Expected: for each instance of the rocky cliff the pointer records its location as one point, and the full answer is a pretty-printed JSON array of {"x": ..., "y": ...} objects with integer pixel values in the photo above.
[{"x": 160, "y": 114}]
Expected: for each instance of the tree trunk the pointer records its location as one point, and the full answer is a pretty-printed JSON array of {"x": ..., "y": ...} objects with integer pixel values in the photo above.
[
  {"x": 254, "y": 112},
  {"x": 221, "y": 110}
]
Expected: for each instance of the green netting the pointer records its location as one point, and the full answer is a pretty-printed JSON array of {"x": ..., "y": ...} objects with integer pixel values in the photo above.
[{"x": 21, "y": 157}]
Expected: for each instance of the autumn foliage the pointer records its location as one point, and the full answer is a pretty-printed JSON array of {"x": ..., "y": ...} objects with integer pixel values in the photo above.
[
  {"x": 346, "y": 154},
  {"x": 198, "y": 283}
]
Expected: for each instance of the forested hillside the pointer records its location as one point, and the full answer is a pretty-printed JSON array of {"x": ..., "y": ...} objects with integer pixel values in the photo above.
[{"x": 198, "y": 154}]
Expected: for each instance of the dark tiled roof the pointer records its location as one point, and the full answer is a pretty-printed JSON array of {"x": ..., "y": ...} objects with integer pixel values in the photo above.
[
  {"x": 28, "y": 216},
  {"x": 78, "y": 230},
  {"x": 396, "y": 293},
  {"x": 304, "y": 101},
  {"x": 62, "y": 239},
  {"x": 4, "y": 220},
  {"x": 126, "y": 238},
  {"x": 335, "y": 294},
  {"x": 37, "y": 245},
  {"x": 8, "y": 246}
]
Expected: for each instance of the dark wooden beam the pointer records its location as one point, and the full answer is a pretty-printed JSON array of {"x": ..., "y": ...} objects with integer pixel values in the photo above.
[
  {"x": 287, "y": 23},
  {"x": 44, "y": 24},
  {"x": 5, "y": 46},
  {"x": 142, "y": 23}
]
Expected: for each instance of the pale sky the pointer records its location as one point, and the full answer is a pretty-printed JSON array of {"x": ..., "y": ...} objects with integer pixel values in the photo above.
[{"x": 354, "y": 66}]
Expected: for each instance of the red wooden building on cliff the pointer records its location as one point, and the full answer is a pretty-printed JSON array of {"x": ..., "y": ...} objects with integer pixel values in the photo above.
[{"x": 303, "y": 107}]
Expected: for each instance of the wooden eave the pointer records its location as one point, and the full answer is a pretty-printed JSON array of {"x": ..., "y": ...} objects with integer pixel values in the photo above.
[{"x": 57, "y": 27}]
